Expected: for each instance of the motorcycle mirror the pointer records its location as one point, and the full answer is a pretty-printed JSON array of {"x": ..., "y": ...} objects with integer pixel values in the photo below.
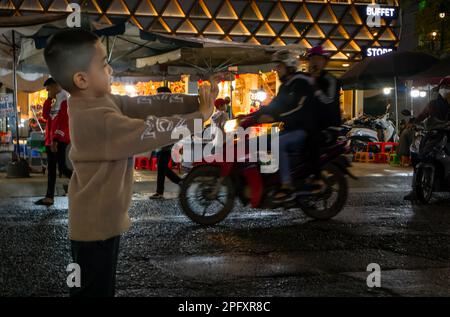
[
  {"x": 406, "y": 113},
  {"x": 388, "y": 108}
]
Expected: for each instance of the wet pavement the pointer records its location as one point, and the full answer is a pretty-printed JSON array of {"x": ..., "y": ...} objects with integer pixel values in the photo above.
[{"x": 251, "y": 253}]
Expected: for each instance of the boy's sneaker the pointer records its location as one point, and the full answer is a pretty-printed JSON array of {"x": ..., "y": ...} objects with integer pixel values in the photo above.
[
  {"x": 44, "y": 202},
  {"x": 157, "y": 196}
]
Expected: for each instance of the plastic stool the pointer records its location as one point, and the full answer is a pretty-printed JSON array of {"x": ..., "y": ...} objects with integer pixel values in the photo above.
[
  {"x": 35, "y": 153},
  {"x": 141, "y": 163},
  {"x": 364, "y": 157},
  {"x": 154, "y": 163},
  {"x": 381, "y": 158},
  {"x": 382, "y": 146},
  {"x": 358, "y": 156},
  {"x": 394, "y": 160}
]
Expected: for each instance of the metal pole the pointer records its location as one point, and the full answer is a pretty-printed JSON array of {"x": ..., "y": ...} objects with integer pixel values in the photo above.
[
  {"x": 429, "y": 93},
  {"x": 396, "y": 104},
  {"x": 107, "y": 46},
  {"x": 231, "y": 97},
  {"x": 37, "y": 120},
  {"x": 15, "y": 92}
]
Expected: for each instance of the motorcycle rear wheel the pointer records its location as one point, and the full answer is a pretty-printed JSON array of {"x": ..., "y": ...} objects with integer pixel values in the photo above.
[
  {"x": 197, "y": 201},
  {"x": 336, "y": 184}
]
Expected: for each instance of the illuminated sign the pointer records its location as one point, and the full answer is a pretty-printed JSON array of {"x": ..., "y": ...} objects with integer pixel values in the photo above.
[
  {"x": 375, "y": 12},
  {"x": 383, "y": 12},
  {"x": 6, "y": 105},
  {"x": 376, "y": 51}
]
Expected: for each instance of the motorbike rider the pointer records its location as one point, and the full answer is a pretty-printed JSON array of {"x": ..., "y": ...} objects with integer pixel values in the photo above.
[
  {"x": 326, "y": 88},
  {"x": 326, "y": 91},
  {"x": 438, "y": 109},
  {"x": 294, "y": 107}
]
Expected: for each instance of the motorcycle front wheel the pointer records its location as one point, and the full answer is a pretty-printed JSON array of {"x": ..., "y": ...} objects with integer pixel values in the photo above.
[
  {"x": 424, "y": 185},
  {"x": 206, "y": 197},
  {"x": 332, "y": 200}
]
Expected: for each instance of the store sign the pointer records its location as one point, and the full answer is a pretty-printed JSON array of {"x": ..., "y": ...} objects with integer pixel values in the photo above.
[
  {"x": 382, "y": 12},
  {"x": 6, "y": 105},
  {"x": 374, "y": 13},
  {"x": 376, "y": 51}
]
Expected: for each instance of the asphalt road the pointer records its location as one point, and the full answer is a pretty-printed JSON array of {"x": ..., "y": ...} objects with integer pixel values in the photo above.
[{"x": 251, "y": 253}]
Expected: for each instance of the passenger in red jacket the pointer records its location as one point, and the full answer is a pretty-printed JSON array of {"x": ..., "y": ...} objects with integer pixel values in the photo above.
[{"x": 57, "y": 137}]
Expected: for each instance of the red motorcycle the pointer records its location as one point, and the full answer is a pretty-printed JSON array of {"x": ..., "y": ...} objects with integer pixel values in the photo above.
[{"x": 209, "y": 192}]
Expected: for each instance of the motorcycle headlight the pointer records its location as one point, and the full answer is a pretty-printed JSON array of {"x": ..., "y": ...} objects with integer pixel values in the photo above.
[{"x": 231, "y": 126}]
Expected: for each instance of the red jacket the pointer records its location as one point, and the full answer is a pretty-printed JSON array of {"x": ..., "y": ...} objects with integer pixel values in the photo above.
[{"x": 57, "y": 127}]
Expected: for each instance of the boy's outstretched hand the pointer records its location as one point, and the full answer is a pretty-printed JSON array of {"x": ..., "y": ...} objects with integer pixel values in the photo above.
[{"x": 207, "y": 94}]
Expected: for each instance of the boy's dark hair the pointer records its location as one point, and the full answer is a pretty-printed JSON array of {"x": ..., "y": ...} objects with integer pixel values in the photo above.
[
  {"x": 163, "y": 89},
  {"x": 69, "y": 52},
  {"x": 49, "y": 81}
]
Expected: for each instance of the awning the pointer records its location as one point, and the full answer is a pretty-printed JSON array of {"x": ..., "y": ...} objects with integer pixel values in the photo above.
[
  {"x": 205, "y": 56},
  {"x": 381, "y": 71},
  {"x": 211, "y": 59},
  {"x": 434, "y": 74}
]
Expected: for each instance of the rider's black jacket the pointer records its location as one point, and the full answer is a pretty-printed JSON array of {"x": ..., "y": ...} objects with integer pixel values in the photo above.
[
  {"x": 438, "y": 108},
  {"x": 294, "y": 105},
  {"x": 327, "y": 89}
]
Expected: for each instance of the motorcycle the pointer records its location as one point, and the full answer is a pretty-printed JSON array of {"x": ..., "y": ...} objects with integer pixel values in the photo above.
[
  {"x": 432, "y": 148},
  {"x": 210, "y": 190},
  {"x": 367, "y": 129}
]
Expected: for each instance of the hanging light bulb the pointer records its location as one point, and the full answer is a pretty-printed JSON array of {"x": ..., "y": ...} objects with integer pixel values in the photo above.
[{"x": 261, "y": 95}]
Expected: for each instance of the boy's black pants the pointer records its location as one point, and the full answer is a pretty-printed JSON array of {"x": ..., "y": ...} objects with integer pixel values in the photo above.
[
  {"x": 164, "y": 170},
  {"x": 53, "y": 160},
  {"x": 98, "y": 263}
]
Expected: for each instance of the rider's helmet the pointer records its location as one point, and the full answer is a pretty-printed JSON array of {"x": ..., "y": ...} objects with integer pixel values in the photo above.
[
  {"x": 444, "y": 87},
  {"x": 317, "y": 51},
  {"x": 289, "y": 59}
]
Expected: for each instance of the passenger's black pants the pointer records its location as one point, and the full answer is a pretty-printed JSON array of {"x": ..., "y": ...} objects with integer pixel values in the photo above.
[
  {"x": 314, "y": 141},
  {"x": 164, "y": 170},
  {"x": 53, "y": 160},
  {"x": 98, "y": 264}
]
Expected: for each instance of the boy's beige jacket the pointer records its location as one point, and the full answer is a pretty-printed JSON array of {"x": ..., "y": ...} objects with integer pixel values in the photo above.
[{"x": 105, "y": 134}]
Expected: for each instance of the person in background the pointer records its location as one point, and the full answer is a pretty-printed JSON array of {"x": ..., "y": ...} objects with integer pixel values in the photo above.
[
  {"x": 326, "y": 88},
  {"x": 326, "y": 94},
  {"x": 229, "y": 110},
  {"x": 32, "y": 125},
  {"x": 163, "y": 162},
  {"x": 438, "y": 109},
  {"x": 57, "y": 137},
  {"x": 218, "y": 120},
  {"x": 402, "y": 126},
  {"x": 406, "y": 139}
]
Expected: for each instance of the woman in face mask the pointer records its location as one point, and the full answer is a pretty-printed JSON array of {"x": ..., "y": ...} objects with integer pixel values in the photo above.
[{"x": 439, "y": 108}]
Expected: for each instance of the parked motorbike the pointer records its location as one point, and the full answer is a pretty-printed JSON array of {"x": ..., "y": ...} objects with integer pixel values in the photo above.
[
  {"x": 432, "y": 148},
  {"x": 369, "y": 129},
  {"x": 210, "y": 190}
]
